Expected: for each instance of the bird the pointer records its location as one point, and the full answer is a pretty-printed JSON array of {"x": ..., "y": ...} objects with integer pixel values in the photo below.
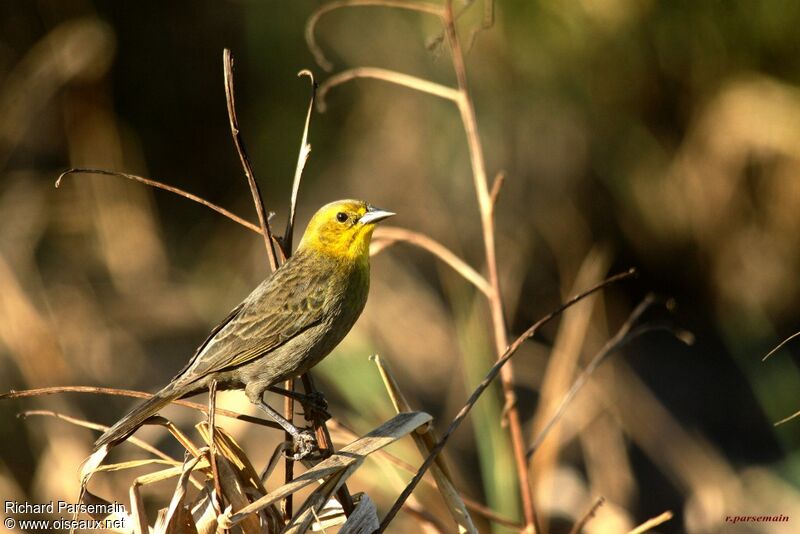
[{"x": 287, "y": 324}]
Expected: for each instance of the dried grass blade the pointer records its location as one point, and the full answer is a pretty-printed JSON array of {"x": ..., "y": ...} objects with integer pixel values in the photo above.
[
  {"x": 139, "y": 519},
  {"x": 234, "y": 491},
  {"x": 176, "y": 516},
  {"x": 426, "y": 441},
  {"x": 364, "y": 519},
  {"x": 390, "y": 431},
  {"x": 14, "y": 394},
  {"x": 133, "y": 464},
  {"x": 102, "y": 428},
  {"x": 490, "y": 376},
  {"x": 227, "y": 447},
  {"x": 318, "y": 498},
  {"x": 302, "y": 157}
]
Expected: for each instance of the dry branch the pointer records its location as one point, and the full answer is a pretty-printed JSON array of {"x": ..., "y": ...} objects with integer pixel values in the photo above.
[
  {"x": 230, "y": 99},
  {"x": 382, "y": 436},
  {"x": 102, "y": 428},
  {"x": 426, "y": 441},
  {"x": 311, "y": 24},
  {"x": 388, "y": 235},
  {"x": 780, "y": 345},
  {"x": 391, "y": 76},
  {"x": 578, "y": 526},
  {"x": 652, "y": 523},
  {"x": 490, "y": 376},
  {"x": 610, "y": 346},
  {"x": 159, "y": 185},
  {"x": 14, "y": 394}
]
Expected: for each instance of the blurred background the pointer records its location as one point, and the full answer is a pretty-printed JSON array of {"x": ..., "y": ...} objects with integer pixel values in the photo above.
[{"x": 660, "y": 135}]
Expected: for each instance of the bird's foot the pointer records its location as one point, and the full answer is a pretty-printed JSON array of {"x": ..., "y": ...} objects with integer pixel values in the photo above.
[
  {"x": 315, "y": 405},
  {"x": 304, "y": 444}
]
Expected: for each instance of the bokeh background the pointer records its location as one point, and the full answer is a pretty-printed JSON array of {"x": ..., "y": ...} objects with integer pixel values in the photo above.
[{"x": 661, "y": 135}]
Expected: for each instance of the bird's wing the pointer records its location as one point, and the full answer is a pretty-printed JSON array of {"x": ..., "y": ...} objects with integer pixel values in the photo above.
[{"x": 283, "y": 306}]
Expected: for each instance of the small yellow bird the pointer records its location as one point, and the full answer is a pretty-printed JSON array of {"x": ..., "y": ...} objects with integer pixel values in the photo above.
[{"x": 284, "y": 327}]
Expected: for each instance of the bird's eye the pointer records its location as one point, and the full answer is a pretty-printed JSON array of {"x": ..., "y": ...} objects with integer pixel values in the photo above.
[{"x": 341, "y": 217}]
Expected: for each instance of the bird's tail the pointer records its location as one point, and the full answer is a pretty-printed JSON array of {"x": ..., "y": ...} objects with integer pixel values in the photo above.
[
  {"x": 121, "y": 430},
  {"x": 136, "y": 417}
]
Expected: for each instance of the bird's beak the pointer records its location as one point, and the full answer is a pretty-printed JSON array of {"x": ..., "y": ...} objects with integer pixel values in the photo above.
[{"x": 374, "y": 215}]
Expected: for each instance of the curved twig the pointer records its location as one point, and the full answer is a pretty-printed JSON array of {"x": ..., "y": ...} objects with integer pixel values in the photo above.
[
  {"x": 490, "y": 376},
  {"x": 311, "y": 40},
  {"x": 780, "y": 345},
  {"x": 623, "y": 336},
  {"x": 133, "y": 440},
  {"x": 578, "y": 526},
  {"x": 386, "y": 75},
  {"x": 394, "y": 234},
  {"x": 302, "y": 157},
  {"x": 14, "y": 394},
  {"x": 158, "y": 185}
]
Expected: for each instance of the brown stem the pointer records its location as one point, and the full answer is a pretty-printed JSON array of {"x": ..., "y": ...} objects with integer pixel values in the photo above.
[
  {"x": 387, "y": 235},
  {"x": 288, "y": 413},
  {"x": 13, "y": 394},
  {"x": 490, "y": 376},
  {"x": 324, "y": 439},
  {"x": 159, "y": 185},
  {"x": 467, "y": 111},
  {"x": 578, "y": 526},
  {"x": 212, "y": 447},
  {"x": 230, "y": 99},
  {"x": 613, "y": 344},
  {"x": 311, "y": 40}
]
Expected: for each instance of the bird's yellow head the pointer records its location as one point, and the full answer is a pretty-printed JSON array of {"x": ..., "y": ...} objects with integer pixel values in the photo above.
[{"x": 343, "y": 229}]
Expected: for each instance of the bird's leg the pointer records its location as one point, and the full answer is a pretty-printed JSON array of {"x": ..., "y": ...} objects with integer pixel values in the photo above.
[
  {"x": 313, "y": 403},
  {"x": 303, "y": 441}
]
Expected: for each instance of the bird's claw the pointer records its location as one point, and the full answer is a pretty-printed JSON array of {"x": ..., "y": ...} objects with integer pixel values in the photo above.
[{"x": 304, "y": 444}]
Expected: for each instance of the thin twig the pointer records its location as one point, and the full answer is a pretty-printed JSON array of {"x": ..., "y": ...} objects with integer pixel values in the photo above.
[
  {"x": 165, "y": 187},
  {"x": 288, "y": 466},
  {"x": 101, "y": 428},
  {"x": 497, "y": 185},
  {"x": 467, "y": 111},
  {"x": 391, "y": 76},
  {"x": 490, "y": 376},
  {"x": 13, "y": 394},
  {"x": 486, "y": 23},
  {"x": 780, "y": 346},
  {"x": 230, "y": 99},
  {"x": 610, "y": 346},
  {"x": 787, "y": 419},
  {"x": 578, "y": 527},
  {"x": 212, "y": 447},
  {"x": 302, "y": 157},
  {"x": 324, "y": 439},
  {"x": 311, "y": 40},
  {"x": 652, "y": 523},
  {"x": 425, "y": 440},
  {"x": 622, "y": 338},
  {"x": 393, "y": 234},
  {"x": 475, "y": 506}
]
